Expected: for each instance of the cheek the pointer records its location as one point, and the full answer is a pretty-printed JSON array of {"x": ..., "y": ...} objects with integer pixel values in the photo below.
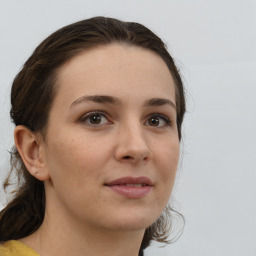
[
  {"x": 167, "y": 159},
  {"x": 75, "y": 160},
  {"x": 168, "y": 155},
  {"x": 77, "y": 172}
]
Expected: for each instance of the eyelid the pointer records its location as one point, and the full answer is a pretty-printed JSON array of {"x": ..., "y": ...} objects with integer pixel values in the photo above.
[
  {"x": 162, "y": 116},
  {"x": 83, "y": 119},
  {"x": 87, "y": 115}
]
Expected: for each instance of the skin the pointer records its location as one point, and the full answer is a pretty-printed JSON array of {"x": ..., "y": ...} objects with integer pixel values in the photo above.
[{"x": 76, "y": 158}]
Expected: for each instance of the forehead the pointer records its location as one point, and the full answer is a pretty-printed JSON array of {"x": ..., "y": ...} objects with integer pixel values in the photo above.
[{"x": 115, "y": 69}]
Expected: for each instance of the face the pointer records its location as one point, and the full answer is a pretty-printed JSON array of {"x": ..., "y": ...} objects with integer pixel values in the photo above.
[{"x": 111, "y": 146}]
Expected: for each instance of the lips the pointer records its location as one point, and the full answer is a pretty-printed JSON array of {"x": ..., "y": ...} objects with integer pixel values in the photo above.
[{"x": 131, "y": 187}]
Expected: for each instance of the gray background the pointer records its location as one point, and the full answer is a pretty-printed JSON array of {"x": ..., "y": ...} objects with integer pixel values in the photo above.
[{"x": 214, "y": 45}]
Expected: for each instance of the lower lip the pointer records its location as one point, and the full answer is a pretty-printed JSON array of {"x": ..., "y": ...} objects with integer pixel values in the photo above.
[{"x": 131, "y": 192}]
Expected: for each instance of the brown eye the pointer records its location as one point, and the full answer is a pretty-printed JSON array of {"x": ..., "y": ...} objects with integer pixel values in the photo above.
[
  {"x": 94, "y": 119},
  {"x": 153, "y": 121},
  {"x": 158, "y": 120}
]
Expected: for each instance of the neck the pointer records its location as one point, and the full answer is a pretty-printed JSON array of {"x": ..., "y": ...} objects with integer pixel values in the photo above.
[{"x": 64, "y": 237}]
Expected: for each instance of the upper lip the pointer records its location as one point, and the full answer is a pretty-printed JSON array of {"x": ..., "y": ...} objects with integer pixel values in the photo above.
[{"x": 131, "y": 180}]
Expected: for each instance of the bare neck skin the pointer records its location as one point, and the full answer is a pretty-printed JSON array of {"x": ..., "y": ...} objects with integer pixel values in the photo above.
[{"x": 59, "y": 235}]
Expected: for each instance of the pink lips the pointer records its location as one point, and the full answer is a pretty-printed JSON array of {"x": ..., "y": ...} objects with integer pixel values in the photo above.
[{"x": 131, "y": 187}]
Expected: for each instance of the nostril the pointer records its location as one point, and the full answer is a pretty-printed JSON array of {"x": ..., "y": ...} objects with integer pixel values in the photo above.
[{"x": 127, "y": 157}]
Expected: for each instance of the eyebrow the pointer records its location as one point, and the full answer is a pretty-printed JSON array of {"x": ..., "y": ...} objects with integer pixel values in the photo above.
[
  {"x": 154, "y": 102},
  {"x": 97, "y": 99}
]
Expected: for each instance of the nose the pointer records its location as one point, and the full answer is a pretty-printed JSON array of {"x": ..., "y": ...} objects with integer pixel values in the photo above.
[{"x": 132, "y": 145}]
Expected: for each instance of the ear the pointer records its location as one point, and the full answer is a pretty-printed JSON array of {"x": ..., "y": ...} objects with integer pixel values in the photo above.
[{"x": 32, "y": 151}]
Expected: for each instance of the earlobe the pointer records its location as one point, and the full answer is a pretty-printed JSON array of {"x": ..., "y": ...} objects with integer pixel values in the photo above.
[{"x": 31, "y": 150}]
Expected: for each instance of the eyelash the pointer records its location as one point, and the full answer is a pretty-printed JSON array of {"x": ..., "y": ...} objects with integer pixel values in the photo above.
[
  {"x": 88, "y": 115},
  {"x": 91, "y": 114},
  {"x": 161, "y": 116}
]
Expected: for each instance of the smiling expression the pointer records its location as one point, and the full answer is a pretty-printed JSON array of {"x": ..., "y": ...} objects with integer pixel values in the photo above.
[{"x": 112, "y": 144}]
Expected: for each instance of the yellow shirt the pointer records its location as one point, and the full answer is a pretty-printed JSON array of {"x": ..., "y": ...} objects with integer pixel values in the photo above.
[{"x": 16, "y": 248}]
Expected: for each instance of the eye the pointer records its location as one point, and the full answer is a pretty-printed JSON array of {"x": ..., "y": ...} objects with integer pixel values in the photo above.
[
  {"x": 158, "y": 120},
  {"x": 94, "y": 118}
]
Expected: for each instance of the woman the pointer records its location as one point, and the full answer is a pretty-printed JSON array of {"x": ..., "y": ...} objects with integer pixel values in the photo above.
[{"x": 98, "y": 110}]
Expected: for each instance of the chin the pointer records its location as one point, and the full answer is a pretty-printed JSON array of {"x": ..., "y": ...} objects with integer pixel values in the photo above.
[{"x": 134, "y": 222}]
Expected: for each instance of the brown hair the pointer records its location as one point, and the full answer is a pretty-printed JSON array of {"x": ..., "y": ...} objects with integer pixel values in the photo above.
[{"x": 32, "y": 95}]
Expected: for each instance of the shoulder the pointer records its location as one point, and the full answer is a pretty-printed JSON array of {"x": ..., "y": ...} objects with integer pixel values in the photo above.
[
  {"x": 16, "y": 248},
  {"x": 5, "y": 249}
]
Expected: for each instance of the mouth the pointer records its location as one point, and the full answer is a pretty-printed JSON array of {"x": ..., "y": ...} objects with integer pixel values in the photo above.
[
  {"x": 131, "y": 181},
  {"x": 131, "y": 187},
  {"x": 134, "y": 185}
]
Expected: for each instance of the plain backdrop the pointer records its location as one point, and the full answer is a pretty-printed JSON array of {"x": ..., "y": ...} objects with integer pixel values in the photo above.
[{"x": 214, "y": 45}]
